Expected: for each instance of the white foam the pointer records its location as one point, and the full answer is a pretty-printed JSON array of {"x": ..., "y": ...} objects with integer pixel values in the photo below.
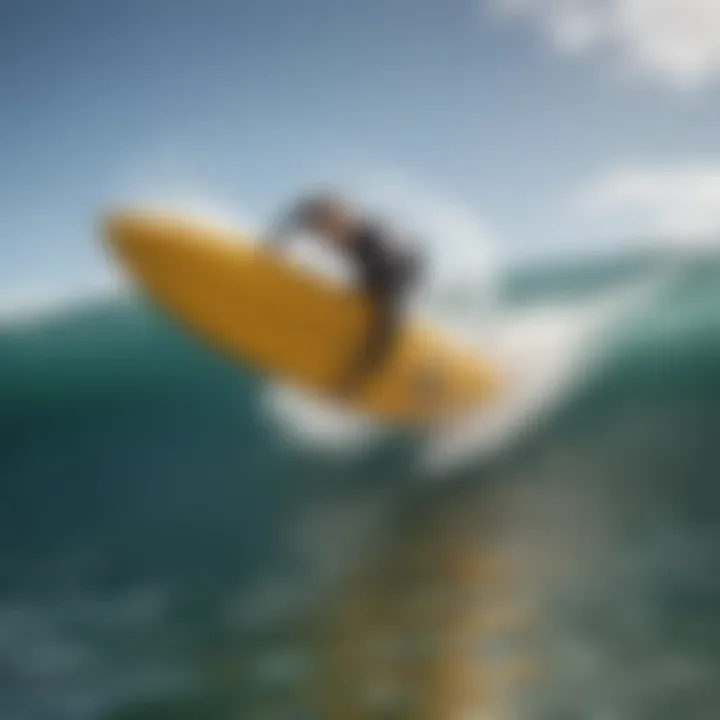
[
  {"x": 547, "y": 351},
  {"x": 308, "y": 421}
]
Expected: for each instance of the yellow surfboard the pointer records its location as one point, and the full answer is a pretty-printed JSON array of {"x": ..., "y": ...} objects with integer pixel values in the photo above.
[{"x": 292, "y": 323}]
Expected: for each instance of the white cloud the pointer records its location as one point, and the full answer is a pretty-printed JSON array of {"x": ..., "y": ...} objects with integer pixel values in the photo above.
[
  {"x": 674, "y": 41},
  {"x": 682, "y": 202}
]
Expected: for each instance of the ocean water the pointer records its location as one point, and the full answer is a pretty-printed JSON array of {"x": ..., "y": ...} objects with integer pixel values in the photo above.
[{"x": 169, "y": 551}]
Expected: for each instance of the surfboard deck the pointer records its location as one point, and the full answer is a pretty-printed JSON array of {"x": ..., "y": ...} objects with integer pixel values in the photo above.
[{"x": 289, "y": 322}]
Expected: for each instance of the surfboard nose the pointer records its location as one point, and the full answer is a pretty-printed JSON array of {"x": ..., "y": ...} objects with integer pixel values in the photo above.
[
  {"x": 121, "y": 236},
  {"x": 137, "y": 240},
  {"x": 124, "y": 233}
]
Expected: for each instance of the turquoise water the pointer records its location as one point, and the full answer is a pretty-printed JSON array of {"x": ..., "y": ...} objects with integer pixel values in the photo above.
[{"x": 167, "y": 554}]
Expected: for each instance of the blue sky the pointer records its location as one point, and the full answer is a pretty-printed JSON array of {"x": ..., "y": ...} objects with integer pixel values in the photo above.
[{"x": 550, "y": 123}]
